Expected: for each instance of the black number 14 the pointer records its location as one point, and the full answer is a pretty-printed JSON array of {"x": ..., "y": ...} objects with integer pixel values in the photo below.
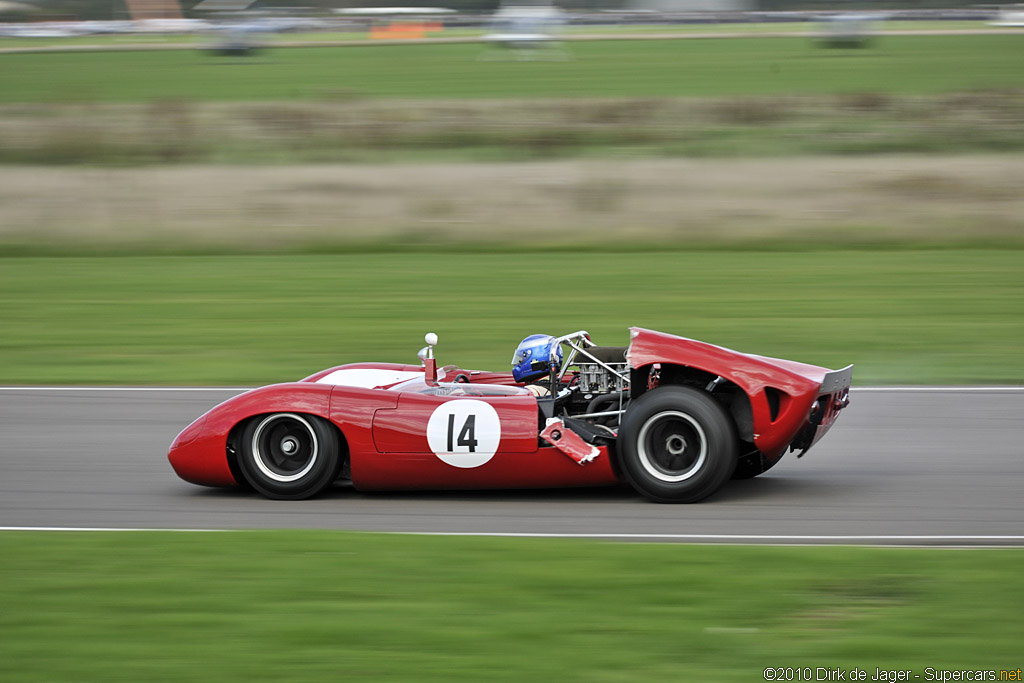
[{"x": 467, "y": 436}]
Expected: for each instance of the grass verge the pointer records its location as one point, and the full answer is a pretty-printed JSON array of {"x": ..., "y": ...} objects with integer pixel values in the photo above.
[
  {"x": 201, "y": 40},
  {"x": 711, "y": 67},
  {"x": 314, "y": 606},
  {"x": 953, "y": 316},
  {"x": 178, "y": 131}
]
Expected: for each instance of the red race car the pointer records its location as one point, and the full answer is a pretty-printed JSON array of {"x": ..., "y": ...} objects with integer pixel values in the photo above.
[{"x": 673, "y": 417}]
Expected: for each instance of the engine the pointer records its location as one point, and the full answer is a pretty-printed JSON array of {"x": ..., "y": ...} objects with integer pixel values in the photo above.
[
  {"x": 602, "y": 385},
  {"x": 596, "y": 379}
]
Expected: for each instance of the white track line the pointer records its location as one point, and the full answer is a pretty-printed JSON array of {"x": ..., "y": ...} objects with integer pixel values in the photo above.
[
  {"x": 738, "y": 539},
  {"x": 924, "y": 389},
  {"x": 98, "y": 528},
  {"x": 895, "y": 389},
  {"x": 126, "y": 388},
  {"x": 743, "y": 538}
]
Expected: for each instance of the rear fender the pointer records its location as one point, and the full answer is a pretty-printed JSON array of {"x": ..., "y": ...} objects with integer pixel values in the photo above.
[{"x": 780, "y": 392}]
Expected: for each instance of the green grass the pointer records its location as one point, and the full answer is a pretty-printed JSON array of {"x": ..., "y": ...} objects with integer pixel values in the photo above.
[
  {"x": 707, "y": 97},
  {"x": 713, "y": 67},
  {"x": 312, "y": 606},
  {"x": 200, "y": 39},
  {"x": 901, "y": 316}
]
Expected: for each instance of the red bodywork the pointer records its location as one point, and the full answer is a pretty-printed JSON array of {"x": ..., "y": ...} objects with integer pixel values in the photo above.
[
  {"x": 796, "y": 386},
  {"x": 385, "y": 426}
]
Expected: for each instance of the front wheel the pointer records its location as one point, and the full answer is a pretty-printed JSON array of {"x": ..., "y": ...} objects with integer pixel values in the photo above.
[
  {"x": 287, "y": 456},
  {"x": 677, "y": 445}
]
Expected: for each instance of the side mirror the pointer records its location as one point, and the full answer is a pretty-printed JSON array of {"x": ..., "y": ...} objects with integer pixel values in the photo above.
[
  {"x": 428, "y": 350},
  {"x": 427, "y": 356}
]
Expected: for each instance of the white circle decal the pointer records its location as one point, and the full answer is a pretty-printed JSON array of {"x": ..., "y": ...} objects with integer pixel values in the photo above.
[{"x": 464, "y": 432}]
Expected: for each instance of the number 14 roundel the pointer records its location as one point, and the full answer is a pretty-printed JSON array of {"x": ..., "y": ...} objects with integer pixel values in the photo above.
[{"x": 464, "y": 432}]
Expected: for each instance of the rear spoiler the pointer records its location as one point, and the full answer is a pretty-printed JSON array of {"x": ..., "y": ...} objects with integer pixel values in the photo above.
[
  {"x": 835, "y": 386},
  {"x": 837, "y": 380}
]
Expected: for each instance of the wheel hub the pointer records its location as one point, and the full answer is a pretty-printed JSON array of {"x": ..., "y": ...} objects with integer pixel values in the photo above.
[
  {"x": 675, "y": 445},
  {"x": 284, "y": 447},
  {"x": 672, "y": 446}
]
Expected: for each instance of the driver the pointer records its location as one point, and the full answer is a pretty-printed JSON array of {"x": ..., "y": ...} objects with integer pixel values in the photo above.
[{"x": 533, "y": 360}]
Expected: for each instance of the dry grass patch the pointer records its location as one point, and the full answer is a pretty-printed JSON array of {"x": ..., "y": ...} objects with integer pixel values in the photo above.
[
  {"x": 387, "y": 130},
  {"x": 666, "y": 202}
]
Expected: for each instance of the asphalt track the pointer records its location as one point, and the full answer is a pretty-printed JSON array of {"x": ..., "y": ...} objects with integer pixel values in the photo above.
[{"x": 901, "y": 467}]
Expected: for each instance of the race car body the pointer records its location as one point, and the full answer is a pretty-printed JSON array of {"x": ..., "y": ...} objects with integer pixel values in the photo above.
[{"x": 673, "y": 417}]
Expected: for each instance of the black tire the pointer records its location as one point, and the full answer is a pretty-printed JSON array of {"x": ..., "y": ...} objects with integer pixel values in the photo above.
[
  {"x": 288, "y": 456},
  {"x": 677, "y": 445}
]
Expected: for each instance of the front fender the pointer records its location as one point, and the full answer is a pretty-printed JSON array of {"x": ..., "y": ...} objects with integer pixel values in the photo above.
[{"x": 199, "y": 453}]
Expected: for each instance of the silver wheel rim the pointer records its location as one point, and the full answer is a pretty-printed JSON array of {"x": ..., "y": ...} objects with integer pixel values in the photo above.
[
  {"x": 285, "y": 447},
  {"x": 672, "y": 436}
]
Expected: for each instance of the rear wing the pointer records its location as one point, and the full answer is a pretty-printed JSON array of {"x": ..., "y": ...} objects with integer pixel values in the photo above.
[
  {"x": 837, "y": 380},
  {"x": 833, "y": 396}
]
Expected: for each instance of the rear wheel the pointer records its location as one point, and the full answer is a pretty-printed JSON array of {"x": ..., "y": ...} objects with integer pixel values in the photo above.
[
  {"x": 677, "y": 445},
  {"x": 288, "y": 456}
]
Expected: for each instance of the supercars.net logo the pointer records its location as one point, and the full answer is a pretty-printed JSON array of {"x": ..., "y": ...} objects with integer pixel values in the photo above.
[{"x": 822, "y": 673}]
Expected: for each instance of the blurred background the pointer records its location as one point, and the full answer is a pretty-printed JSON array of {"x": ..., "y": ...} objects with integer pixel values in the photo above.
[
  {"x": 264, "y": 189},
  {"x": 235, "y": 193}
]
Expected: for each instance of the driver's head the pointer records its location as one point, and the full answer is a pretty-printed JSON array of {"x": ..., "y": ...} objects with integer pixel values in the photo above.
[{"x": 532, "y": 359}]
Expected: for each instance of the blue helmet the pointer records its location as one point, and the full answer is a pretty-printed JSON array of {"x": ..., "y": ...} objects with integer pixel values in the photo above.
[{"x": 532, "y": 358}]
